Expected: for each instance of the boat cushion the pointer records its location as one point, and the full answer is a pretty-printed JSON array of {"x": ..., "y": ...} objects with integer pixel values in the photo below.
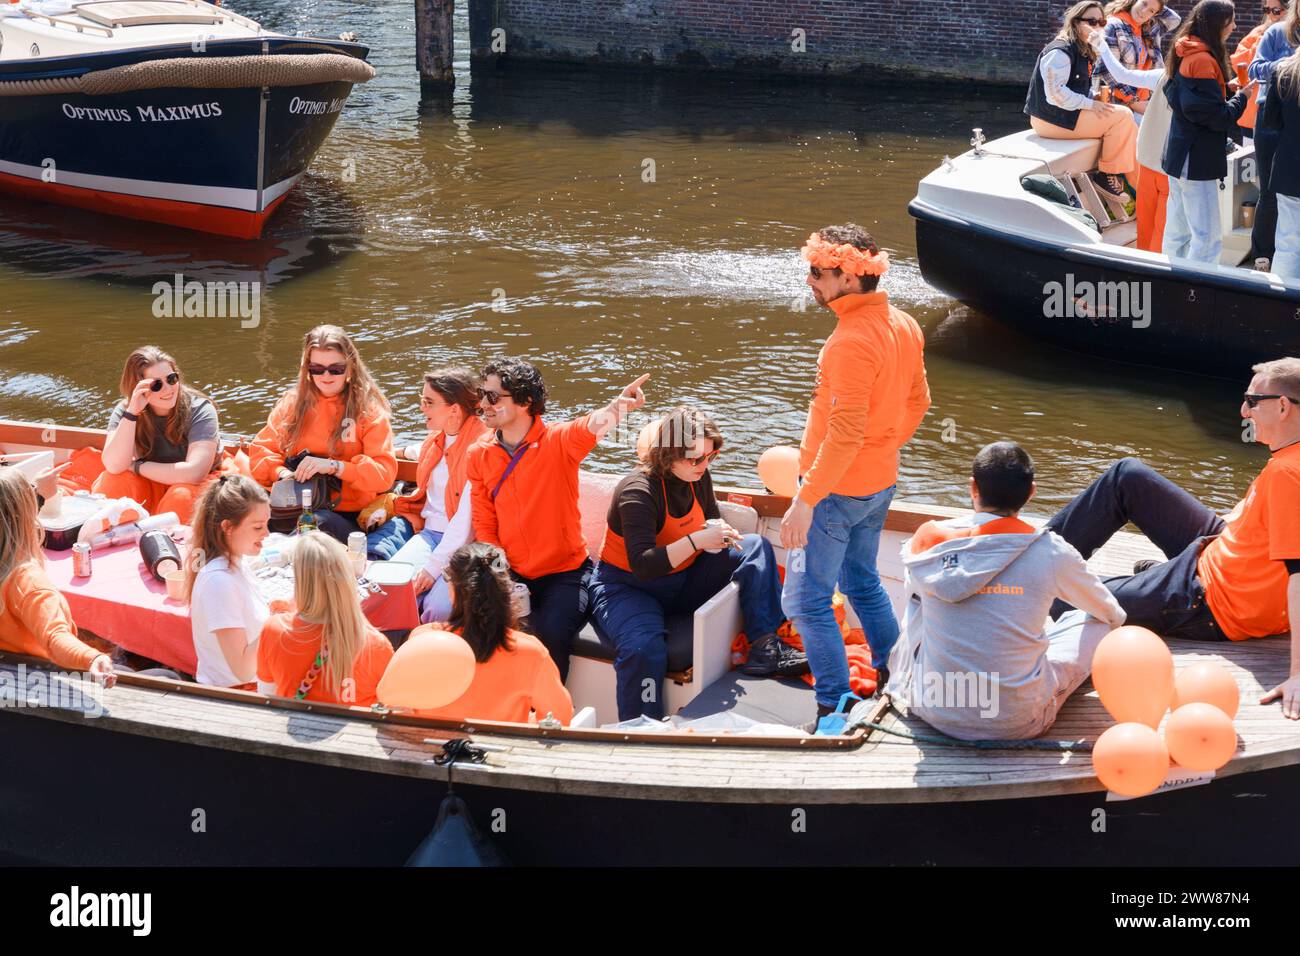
[
  {"x": 1050, "y": 188},
  {"x": 681, "y": 639},
  {"x": 765, "y": 699}
]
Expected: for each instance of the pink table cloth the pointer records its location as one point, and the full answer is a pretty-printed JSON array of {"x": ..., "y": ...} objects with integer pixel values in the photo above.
[{"x": 122, "y": 603}]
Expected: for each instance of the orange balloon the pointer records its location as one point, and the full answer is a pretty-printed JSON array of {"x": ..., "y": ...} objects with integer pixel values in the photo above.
[
  {"x": 1133, "y": 672},
  {"x": 1200, "y": 737},
  {"x": 778, "y": 468},
  {"x": 433, "y": 668},
  {"x": 1207, "y": 683},
  {"x": 1130, "y": 759}
]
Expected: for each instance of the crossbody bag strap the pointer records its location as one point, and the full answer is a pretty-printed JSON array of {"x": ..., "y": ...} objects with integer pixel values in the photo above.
[
  {"x": 313, "y": 672},
  {"x": 509, "y": 468}
]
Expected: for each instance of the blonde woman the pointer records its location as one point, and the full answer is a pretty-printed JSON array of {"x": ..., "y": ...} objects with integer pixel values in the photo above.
[
  {"x": 226, "y": 610},
  {"x": 334, "y": 421},
  {"x": 34, "y": 617},
  {"x": 325, "y": 650},
  {"x": 1060, "y": 103},
  {"x": 163, "y": 437}
]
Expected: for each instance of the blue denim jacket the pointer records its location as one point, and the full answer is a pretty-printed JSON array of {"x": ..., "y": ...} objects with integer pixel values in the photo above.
[{"x": 1273, "y": 46}]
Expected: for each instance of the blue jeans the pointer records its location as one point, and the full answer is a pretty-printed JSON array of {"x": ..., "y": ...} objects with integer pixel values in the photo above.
[
  {"x": 842, "y": 546},
  {"x": 386, "y": 540},
  {"x": 629, "y": 614},
  {"x": 1192, "y": 226},
  {"x": 435, "y": 603},
  {"x": 1286, "y": 256}
]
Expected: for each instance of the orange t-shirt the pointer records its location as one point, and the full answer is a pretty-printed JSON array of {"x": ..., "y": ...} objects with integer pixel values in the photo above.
[
  {"x": 35, "y": 620},
  {"x": 535, "y": 517},
  {"x": 366, "y": 450},
  {"x": 287, "y": 649},
  {"x": 870, "y": 396},
  {"x": 510, "y": 685},
  {"x": 1242, "y": 569}
]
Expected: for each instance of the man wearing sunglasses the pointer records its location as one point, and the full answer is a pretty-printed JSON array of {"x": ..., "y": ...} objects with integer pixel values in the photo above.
[
  {"x": 870, "y": 395},
  {"x": 524, "y": 480},
  {"x": 1232, "y": 577}
]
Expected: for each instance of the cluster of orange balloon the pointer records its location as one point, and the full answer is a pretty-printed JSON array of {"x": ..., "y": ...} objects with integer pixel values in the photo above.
[
  {"x": 778, "y": 469},
  {"x": 1133, "y": 672},
  {"x": 431, "y": 670}
]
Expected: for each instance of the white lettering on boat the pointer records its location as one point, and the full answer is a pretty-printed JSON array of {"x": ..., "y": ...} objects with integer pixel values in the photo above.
[
  {"x": 299, "y": 106},
  {"x": 169, "y": 114},
  {"x": 95, "y": 114},
  {"x": 74, "y": 908}
]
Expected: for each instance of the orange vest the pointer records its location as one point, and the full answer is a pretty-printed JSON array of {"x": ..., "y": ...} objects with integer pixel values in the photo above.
[
  {"x": 932, "y": 532},
  {"x": 433, "y": 451},
  {"x": 673, "y": 529}
]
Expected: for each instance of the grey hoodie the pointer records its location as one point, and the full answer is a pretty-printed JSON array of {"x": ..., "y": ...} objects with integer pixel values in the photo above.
[{"x": 973, "y": 657}]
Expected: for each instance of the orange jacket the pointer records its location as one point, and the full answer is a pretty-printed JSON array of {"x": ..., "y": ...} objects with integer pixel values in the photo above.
[
  {"x": 535, "y": 517},
  {"x": 510, "y": 684},
  {"x": 431, "y": 452},
  {"x": 35, "y": 620},
  {"x": 1245, "y": 52},
  {"x": 869, "y": 398},
  {"x": 369, "y": 465}
]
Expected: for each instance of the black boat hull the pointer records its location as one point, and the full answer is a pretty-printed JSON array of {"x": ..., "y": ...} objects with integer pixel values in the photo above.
[
  {"x": 73, "y": 794},
  {"x": 1160, "y": 315}
]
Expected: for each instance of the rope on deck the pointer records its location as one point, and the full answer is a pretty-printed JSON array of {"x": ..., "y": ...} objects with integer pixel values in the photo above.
[
  {"x": 218, "y": 72},
  {"x": 1056, "y": 746}
]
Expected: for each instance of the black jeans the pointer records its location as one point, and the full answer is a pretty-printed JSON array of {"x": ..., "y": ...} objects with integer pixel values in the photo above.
[
  {"x": 559, "y": 606},
  {"x": 1169, "y": 598},
  {"x": 1262, "y": 241}
]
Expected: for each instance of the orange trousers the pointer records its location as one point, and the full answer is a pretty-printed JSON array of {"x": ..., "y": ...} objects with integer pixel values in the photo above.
[
  {"x": 1116, "y": 130},
  {"x": 1153, "y": 196},
  {"x": 154, "y": 495}
]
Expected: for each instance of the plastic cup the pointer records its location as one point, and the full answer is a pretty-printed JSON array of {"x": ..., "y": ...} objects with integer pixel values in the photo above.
[{"x": 175, "y": 581}]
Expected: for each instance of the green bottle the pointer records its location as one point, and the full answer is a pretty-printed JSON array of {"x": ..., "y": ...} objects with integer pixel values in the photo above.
[{"x": 306, "y": 520}]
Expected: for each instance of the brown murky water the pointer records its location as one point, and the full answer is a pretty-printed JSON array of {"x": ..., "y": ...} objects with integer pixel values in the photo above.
[{"x": 527, "y": 191}]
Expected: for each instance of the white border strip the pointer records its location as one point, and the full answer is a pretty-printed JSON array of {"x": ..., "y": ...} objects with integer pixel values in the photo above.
[{"x": 228, "y": 197}]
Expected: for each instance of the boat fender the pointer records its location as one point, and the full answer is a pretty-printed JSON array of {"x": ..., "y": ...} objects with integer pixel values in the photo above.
[{"x": 455, "y": 840}]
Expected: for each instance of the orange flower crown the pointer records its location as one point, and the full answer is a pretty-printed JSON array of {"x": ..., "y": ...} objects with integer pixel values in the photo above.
[{"x": 858, "y": 262}]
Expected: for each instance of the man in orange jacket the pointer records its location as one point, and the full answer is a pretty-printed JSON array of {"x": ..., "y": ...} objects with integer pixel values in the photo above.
[
  {"x": 523, "y": 476},
  {"x": 870, "y": 395}
]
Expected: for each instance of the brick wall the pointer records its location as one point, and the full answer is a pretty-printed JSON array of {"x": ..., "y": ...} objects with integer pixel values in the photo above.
[{"x": 985, "y": 40}]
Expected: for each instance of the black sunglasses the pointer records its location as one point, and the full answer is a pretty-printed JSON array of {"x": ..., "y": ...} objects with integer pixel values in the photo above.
[
  {"x": 702, "y": 459},
  {"x": 1274, "y": 11},
  {"x": 492, "y": 397},
  {"x": 1093, "y": 21},
  {"x": 338, "y": 368},
  {"x": 171, "y": 379},
  {"x": 1252, "y": 400},
  {"x": 815, "y": 272}
]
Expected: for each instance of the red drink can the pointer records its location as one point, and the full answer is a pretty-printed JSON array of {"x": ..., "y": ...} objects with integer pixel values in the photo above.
[{"x": 81, "y": 560}]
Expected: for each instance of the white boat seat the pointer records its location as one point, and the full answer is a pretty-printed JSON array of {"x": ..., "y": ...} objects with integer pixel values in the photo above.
[{"x": 1060, "y": 155}]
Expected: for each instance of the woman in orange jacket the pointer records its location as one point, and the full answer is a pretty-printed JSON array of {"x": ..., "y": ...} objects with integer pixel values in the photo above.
[
  {"x": 1274, "y": 11},
  {"x": 514, "y": 676},
  {"x": 34, "y": 617},
  {"x": 334, "y": 421},
  {"x": 162, "y": 440},
  {"x": 429, "y": 524}
]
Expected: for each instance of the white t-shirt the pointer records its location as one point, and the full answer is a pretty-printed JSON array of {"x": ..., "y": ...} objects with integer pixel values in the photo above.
[
  {"x": 223, "y": 597},
  {"x": 435, "y": 499}
]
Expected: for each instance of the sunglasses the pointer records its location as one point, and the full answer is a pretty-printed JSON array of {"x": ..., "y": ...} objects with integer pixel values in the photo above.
[
  {"x": 703, "y": 459},
  {"x": 338, "y": 368},
  {"x": 1252, "y": 400},
  {"x": 1093, "y": 21},
  {"x": 491, "y": 396},
  {"x": 171, "y": 379},
  {"x": 1274, "y": 11},
  {"x": 814, "y": 272}
]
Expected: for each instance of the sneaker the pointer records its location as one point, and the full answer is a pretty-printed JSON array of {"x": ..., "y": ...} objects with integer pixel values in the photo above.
[
  {"x": 1110, "y": 184},
  {"x": 831, "y": 722},
  {"x": 1146, "y": 564},
  {"x": 882, "y": 678},
  {"x": 769, "y": 656}
]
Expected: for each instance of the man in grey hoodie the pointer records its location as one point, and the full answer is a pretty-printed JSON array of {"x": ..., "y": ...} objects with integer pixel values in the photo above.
[{"x": 979, "y": 658}]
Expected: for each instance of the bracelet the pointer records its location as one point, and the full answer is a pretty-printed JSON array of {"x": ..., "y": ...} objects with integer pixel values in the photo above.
[
  {"x": 130, "y": 417},
  {"x": 692, "y": 541},
  {"x": 135, "y": 466}
]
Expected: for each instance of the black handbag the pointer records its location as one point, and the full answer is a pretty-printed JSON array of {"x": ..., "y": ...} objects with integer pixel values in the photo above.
[{"x": 286, "y": 496}]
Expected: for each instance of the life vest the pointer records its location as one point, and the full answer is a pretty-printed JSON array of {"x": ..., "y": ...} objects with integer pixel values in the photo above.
[{"x": 673, "y": 529}]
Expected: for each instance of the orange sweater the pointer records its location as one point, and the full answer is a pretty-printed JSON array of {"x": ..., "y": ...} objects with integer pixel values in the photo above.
[
  {"x": 869, "y": 398},
  {"x": 510, "y": 684},
  {"x": 369, "y": 465},
  {"x": 35, "y": 620},
  {"x": 287, "y": 649},
  {"x": 1245, "y": 52},
  {"x": 431, "y": 452}
]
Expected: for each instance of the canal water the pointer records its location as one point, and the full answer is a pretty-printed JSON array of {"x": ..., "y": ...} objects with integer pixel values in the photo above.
[{"x": 603, "y": 225}]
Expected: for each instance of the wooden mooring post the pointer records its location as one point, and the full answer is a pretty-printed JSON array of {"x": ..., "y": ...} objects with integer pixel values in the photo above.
[{"x": 434, "y": 47}]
